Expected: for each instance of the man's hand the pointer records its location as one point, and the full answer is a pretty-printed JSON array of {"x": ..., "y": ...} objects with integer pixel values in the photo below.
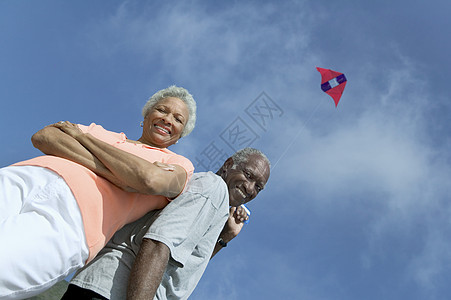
[
  {"x": 241, "y": 214},
  {"x": 234, "y": 224}
]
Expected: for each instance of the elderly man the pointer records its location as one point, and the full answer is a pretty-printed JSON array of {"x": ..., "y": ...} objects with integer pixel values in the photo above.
[{"x": 164, "y": 254}]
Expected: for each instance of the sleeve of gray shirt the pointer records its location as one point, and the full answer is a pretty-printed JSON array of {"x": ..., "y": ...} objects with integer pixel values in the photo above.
[
  {"x": 190, "y": 228},
  {"x": 186, "y": 220}
]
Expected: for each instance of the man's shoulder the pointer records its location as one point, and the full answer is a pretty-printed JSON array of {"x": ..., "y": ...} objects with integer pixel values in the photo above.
[
  {"x": 208, "y": 184},
  {"x": 206, "y": 176},
  {"x": 205, "y": 181}
]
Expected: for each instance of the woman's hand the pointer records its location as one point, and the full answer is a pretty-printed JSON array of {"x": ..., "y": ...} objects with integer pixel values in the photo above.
[
  {"x": 163, "y": 166},
  {"x": 69, "y": 128}
]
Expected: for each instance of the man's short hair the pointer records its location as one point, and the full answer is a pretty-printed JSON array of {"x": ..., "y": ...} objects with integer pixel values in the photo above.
[{"x": 241, "y": 156}]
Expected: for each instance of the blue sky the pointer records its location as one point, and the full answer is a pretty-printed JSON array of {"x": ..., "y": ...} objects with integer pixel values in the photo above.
[{"x": 357, "y": 206}]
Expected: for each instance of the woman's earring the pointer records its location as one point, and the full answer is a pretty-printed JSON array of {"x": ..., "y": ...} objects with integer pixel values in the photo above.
[{"x": 141, "y": 124}]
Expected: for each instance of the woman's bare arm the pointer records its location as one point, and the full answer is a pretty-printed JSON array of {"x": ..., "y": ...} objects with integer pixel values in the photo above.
[
  {"x": 112, "y": 163},
  {"x": 53, "y": 141}
]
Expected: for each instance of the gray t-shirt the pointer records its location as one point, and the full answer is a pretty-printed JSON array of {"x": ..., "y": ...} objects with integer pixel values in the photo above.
[{"x": 189, "y": 225}]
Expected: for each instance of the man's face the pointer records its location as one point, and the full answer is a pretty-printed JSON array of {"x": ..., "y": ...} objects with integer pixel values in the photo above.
[{"x": 246, "y": 180}]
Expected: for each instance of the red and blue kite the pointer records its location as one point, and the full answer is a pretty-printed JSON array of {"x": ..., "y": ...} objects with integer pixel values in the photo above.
[{"x": 332, "y": 83}]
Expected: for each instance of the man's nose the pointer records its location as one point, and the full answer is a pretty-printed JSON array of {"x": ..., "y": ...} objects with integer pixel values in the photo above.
[{"x": 249, "y": 186}]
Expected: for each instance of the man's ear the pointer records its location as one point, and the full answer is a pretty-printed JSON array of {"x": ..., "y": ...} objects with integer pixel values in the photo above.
[{"x": 227, "y": 164}]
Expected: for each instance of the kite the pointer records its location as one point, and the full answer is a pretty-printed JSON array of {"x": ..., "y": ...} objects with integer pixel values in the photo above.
[{"x": 332, "y": 83}]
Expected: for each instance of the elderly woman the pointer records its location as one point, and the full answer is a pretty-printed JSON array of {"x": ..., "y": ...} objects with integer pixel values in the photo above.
[{"x": 59, "y": 210}]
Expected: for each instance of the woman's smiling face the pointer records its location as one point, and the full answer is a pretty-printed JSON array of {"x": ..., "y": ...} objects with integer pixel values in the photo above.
[{"x": 164, "y": 123}]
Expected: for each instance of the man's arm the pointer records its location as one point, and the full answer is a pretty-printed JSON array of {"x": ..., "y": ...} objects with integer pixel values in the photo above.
[
  {"x": 145, "y": 277},
  {"x": 233, "y": 226},
  {"x": 116, "y": 165},
  {"x": 189, "y": 225}
]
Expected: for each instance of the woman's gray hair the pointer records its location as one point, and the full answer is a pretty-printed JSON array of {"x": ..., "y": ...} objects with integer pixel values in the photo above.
[
  {"x": 176, "y": 92},
  {"x": 242, "y": 156}
]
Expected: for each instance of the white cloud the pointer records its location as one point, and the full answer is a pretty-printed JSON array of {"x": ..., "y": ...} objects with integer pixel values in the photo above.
[{"x": 218, "y": 46}]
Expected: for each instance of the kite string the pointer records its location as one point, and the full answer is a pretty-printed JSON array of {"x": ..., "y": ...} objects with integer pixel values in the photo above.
[{"x": 297, "y": 135}]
